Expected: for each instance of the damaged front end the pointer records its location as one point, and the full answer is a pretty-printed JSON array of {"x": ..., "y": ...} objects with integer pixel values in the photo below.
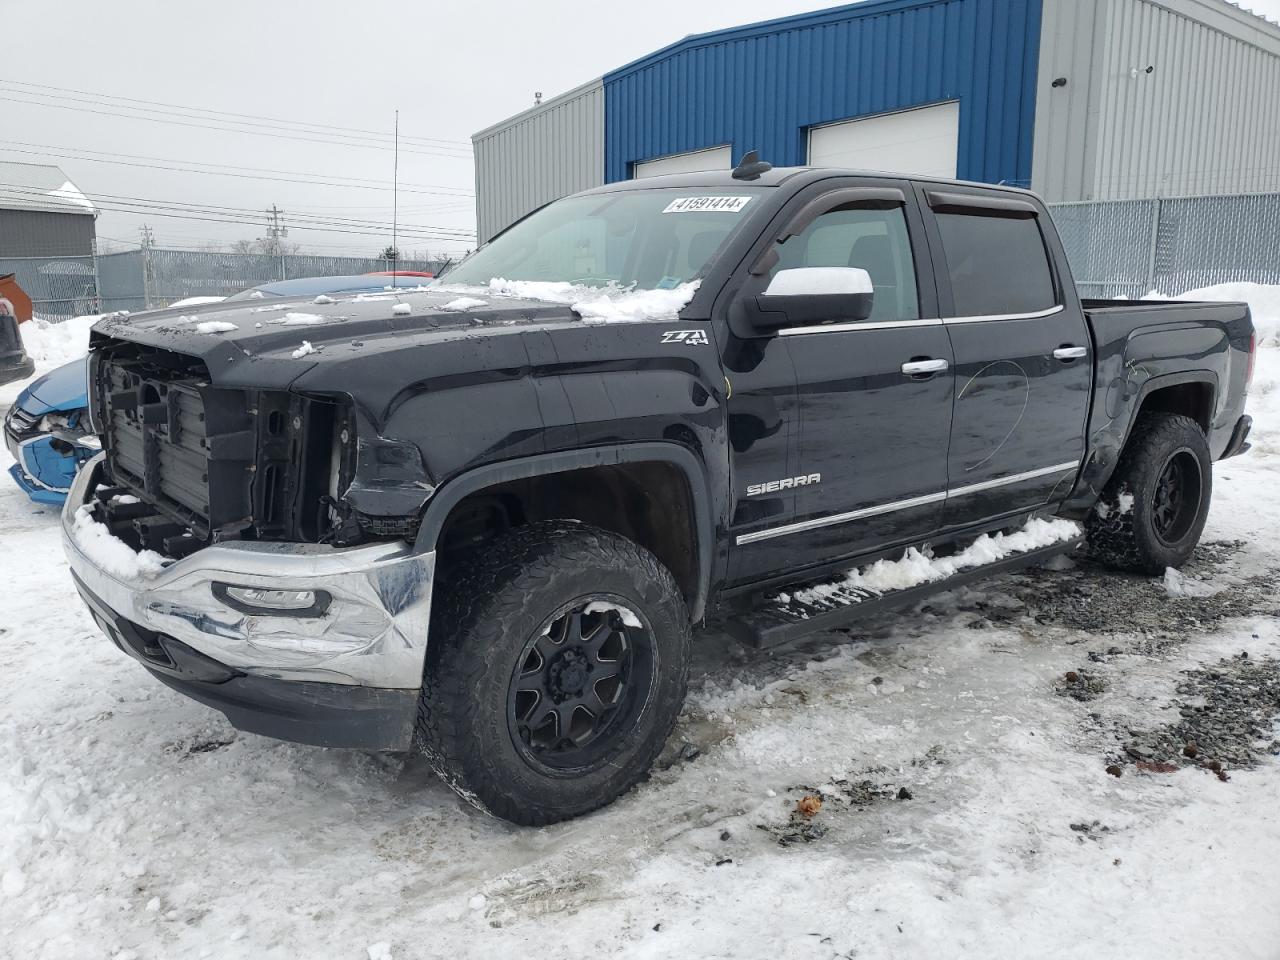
[
  {"x": 48, "y": 450},
  {"x": 213, "y": 541}
]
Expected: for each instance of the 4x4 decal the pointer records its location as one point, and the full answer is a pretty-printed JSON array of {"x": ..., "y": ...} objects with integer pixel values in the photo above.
[{"x": 693, "y": 338}]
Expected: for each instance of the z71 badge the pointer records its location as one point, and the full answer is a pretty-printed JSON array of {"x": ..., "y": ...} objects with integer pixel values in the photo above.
[{"x": 693, "y": 338}]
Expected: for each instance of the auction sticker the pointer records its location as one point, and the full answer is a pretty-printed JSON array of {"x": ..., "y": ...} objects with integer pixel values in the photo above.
[{"x": 707, "y": 205}]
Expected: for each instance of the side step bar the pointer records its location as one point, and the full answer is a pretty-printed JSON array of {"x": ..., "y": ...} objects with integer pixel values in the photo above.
[{"x": 778, "y": 618}]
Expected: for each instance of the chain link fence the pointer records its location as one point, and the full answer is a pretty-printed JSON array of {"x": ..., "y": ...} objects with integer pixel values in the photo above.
[
  {"x": 1129, "y": 248},
  {"x": 57, "y": 286}
]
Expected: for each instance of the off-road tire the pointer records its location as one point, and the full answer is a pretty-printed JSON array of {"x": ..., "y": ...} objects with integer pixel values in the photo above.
[
  {"x": 486, "y": 611},
  {"x": 1123, "y": 533}
]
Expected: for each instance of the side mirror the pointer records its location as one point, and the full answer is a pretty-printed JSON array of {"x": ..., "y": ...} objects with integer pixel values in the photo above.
[{"x": 804, "y": 296}]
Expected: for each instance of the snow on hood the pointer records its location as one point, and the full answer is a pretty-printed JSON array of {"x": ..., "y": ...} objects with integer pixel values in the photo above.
[{"x": 609, "y": 304}]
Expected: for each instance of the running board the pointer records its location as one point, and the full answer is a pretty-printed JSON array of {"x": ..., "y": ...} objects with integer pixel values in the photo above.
[{"x": 779, "y": 618}]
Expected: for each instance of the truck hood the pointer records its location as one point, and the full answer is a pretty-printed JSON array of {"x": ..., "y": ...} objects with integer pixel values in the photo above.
[{"x": 272, "y": 343}]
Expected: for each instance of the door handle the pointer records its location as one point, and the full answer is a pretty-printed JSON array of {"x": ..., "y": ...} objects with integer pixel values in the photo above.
[
  {"x": 918, "y": 368},
  {"x": 1070, "y": 353}
]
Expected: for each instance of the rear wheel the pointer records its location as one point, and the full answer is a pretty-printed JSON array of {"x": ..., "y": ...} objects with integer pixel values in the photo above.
[
  {"x": 1152, "y": 512},
  {"x": 556, "y": 667}
]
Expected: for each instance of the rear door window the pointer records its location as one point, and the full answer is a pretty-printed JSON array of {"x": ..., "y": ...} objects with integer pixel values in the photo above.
[{"x": 998, "y": 264}]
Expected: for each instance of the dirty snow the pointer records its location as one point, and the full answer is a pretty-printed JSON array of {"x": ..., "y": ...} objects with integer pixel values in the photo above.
[
  {"x": 303, "y": 350},
  {"x": 117, "y": 792},
  {"x": 110, "y": 552},
  {"x": 215, "y": 326},
  {"x": 610, "y": 304}
]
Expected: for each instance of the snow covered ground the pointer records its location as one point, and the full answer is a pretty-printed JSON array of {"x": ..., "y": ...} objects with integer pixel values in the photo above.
[{"x": 135, "y": 823}]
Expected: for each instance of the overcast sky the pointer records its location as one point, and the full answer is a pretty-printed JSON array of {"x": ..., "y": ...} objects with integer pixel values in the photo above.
[{"x": 450, "y": 69}]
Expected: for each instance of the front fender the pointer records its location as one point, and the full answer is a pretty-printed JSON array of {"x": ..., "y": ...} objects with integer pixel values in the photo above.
[{"x": 450, "y": 494}]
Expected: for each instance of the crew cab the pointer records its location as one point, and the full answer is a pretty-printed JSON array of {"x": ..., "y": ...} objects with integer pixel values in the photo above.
[{"x": 482, "y": 519}]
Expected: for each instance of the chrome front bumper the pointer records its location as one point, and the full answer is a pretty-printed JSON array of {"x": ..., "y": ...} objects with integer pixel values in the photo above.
[{"x": 373, "y": 633}]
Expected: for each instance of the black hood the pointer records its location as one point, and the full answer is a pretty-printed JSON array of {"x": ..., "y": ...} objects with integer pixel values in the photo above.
[{"x": 273, "y": 343}]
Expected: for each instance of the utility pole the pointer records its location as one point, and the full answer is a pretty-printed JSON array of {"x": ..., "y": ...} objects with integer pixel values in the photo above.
[
  {"x": 148, "y": 279},
  {"x": 276, "y": 231}
]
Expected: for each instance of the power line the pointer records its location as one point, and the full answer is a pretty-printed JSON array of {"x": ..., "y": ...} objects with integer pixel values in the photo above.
[
  {"x": 106, "y": 200},
  {"x": 11, "y": 98},
  {"x": 141, "y": 209},
  {"x": 335, "y": 177},
  {"x": 219, "y": 173},
  {"x": 98, "y": 96}
]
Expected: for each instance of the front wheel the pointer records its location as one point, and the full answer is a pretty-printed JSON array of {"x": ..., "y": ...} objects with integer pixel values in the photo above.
[
  {"x": 556, "y": 668},
  {"x": 1153, "y": 510}
]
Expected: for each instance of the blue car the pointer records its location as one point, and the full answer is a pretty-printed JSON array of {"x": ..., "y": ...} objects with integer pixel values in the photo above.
[
  {"x": 47, "y": 428},
  {"x": 47, "y": 431}
]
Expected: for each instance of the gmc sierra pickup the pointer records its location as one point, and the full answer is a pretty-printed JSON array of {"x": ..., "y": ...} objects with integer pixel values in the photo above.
[{"x": 481, "y": 518}]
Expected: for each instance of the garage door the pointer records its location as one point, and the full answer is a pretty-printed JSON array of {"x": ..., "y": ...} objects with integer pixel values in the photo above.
[
  {"x": 922, "y": 142},
  {"x": 717, "y": 158}
]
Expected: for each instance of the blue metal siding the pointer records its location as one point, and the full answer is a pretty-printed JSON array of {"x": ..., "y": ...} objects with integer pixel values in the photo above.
[{"x": 762, "y": 86}]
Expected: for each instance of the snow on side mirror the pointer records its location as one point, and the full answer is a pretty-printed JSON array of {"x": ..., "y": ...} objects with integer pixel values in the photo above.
[{"x": 805, "y": 296}]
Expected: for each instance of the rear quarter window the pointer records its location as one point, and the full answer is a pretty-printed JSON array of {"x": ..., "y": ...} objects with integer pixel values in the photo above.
[{"x": 997, "y": 264}]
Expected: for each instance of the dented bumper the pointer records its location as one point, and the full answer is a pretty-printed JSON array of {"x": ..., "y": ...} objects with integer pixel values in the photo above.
[{"x": 365, "y": 644}]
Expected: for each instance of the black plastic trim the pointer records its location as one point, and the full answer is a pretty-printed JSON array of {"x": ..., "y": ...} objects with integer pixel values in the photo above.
[
  {"x": 453, "y": 492},
  {"x": 942, "y": 201},
  {"x": 320, "y": 714},
  {"x": 1239, "y": 436}
]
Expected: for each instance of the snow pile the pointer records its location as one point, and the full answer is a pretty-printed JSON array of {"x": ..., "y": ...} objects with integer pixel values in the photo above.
[
  {"x": 215, "y": 326},
  {"x": 916, "y": 567},
  {"x": 53, "y": 344},
  {"x": 402, "y": 309},
  {"x": 303, "y": 350},
  {"x": 324, "y": 298},
  {"x": 609, "y": 304},
  {"x": 110, "y": 552},
  {"x": 465, "y": 303},
  {"x": 1263, "y": 300}
]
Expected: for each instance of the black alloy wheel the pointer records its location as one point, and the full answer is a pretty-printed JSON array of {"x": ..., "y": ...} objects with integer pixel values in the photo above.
[{"x": 579, "y": 681}]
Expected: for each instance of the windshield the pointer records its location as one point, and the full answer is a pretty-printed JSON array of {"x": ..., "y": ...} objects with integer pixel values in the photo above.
[{"x": 639, "y": 239}]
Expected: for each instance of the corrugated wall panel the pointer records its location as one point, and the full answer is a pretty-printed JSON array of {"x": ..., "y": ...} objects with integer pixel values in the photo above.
[
  {"x": 1204, "y": 120},
  {"x": 538, "y": 156},
  {"x": 39, "y": 233},
  {"x": 762, "y": 86}
]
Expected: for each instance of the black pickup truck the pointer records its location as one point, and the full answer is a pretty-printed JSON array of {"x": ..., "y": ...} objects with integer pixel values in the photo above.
[{"x": 481, "y": 518}]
